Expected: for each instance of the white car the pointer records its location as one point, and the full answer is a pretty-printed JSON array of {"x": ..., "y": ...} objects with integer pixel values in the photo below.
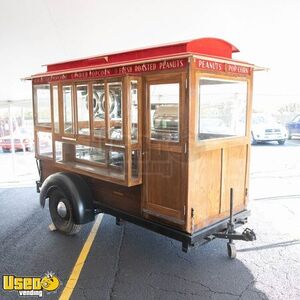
[{"x": 266, "y": 129}]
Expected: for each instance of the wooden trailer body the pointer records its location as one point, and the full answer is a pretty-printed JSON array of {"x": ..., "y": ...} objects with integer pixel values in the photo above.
[{"x": 159, "y": 135}]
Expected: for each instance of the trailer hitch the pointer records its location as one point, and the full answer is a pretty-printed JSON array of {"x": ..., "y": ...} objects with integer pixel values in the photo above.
[{"x": 247, "y": 235}]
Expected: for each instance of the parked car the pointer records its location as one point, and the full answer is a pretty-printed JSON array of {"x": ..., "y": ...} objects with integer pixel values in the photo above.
[
  {"x": 293, "y": 127},
  {"x": 23, "y": 139},
  {"x": 265, "y": 129}
]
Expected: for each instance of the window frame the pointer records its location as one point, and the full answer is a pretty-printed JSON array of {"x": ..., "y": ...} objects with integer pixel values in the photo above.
[
  {"x": 36, "y": 109},
  {"x": 58, "y": 107},
  {"x": 129, "y": 113},
  {"x": 92, "y": 163},
  {"x": 91, "y": 140},
  {"x": 82, "y": 138},
  {"x": 150, "y": 117},
  {"x": 41, "y": 127},
  {"x": 124, "y": 110},
  {"x": 180, "y": 145},
  {"x": 210, "y": 142},
  {"x": 128, "y": 141},
  {"x": 37, "y": 145},
  {"x": 73, "y": 114},
  {"x": 94, "y": 137}
]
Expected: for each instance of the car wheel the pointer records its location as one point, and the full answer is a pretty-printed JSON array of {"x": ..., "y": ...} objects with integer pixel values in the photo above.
[
  {"x": 281, "y": 142},
  {"x": 289, "y": 136},
  {"x": 61, "y": 212}
]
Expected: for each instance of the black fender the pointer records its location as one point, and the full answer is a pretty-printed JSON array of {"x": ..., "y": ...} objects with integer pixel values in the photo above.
[{"x": 77, "y": 191}]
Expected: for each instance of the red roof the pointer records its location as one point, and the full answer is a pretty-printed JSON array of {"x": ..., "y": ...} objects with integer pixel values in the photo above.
[{"x": 205, "y": 46}]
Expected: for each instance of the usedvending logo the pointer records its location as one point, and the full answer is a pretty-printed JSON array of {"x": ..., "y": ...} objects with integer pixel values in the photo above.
[{"x": 31, "y": 286}]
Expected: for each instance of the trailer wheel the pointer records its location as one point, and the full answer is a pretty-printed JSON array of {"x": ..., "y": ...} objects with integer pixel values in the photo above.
[
  {"x": 61, "y": 212},
  {"x": 231, "y": 250}
]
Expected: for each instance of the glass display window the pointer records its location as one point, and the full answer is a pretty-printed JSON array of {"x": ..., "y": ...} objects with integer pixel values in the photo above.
[
  {"x": 42, "y": 105},
  {"x": 222, "y": 108},
  {"x": 115, "y": 108},
  {"x": 55, "y": 104},
  {"x": 164, "y": 113},
  {"x": 82, "y": 102},
  {"x": 98, "y": 90},
  {"x": 68, "y": 109},
  {"x": 90, "y": 154},
  {"x": 44, "y": 143},
  {"x": 134, "y": 111}
]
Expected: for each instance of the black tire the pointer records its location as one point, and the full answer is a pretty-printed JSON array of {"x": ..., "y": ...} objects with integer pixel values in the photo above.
[
  {"x": 231, "y": 250},
  {"x": 63, "y": 223},
  {"x": 281, "y": 142},
  {"x": 289, "y": 136}
]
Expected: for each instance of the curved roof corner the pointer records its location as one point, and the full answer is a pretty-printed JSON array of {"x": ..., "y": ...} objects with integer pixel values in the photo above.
[{"x": 212, "y": 46}]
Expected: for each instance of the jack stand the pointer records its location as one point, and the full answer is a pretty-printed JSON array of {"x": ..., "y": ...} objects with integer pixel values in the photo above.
[
  {"x": 231, "y": 234},
  {"x": 231, "y": 249}
]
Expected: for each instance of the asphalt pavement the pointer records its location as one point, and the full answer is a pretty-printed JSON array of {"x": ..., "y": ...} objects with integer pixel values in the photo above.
[{"x": 129, "y": 262}]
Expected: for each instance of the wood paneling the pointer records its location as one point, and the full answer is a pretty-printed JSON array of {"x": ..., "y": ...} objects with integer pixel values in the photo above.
[
  {"x": 212, "y": 174},
  {"x": 124, "y": 198},
  {"x": 127, "y": 199},
  {"x": 233, "y": 176},
  {"x": 163, "y": 183},
  {"x": 205, "y": 186}
]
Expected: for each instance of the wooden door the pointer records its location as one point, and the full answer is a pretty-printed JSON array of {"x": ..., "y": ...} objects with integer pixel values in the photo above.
[{"x": 164, "y": 148}]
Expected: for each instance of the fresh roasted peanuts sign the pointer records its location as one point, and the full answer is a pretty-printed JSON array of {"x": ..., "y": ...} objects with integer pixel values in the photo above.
[{"x": 116, "y": 71}]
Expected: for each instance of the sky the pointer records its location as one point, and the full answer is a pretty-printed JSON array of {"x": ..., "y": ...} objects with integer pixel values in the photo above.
[{"x": 37, "y": 32}]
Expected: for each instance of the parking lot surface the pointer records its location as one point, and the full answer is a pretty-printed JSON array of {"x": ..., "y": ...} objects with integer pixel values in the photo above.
[{"x": 129, "y": 262}]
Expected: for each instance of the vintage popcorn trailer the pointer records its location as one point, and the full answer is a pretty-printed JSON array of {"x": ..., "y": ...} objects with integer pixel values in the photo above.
[{"x": 156, "y": 136}]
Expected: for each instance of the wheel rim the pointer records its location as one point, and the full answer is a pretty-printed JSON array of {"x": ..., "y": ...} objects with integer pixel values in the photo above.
[{"x": 62, "y": 209}]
